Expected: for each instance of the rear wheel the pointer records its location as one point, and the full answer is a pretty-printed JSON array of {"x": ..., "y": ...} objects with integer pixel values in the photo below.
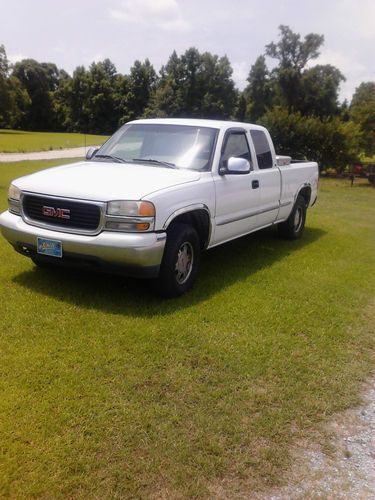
[
  {"x": 180, "y": 262},
  {"x": 293, "y": 227}
]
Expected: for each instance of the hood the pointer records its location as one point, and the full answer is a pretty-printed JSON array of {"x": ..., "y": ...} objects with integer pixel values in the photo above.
[{"x": 104, "y": 181}]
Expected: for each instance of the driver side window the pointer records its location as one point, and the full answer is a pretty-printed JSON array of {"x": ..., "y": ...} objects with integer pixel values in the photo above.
[{"x": 236, "y": 146}]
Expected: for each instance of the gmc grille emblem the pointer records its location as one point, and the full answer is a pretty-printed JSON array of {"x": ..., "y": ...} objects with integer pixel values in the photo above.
[{"x": 60, "y": 213}]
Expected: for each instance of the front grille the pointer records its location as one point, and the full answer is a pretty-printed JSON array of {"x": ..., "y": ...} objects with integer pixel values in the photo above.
[{"x": 85, "y": 216}]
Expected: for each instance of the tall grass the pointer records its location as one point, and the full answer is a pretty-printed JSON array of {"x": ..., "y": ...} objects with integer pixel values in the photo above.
[{"x": 108, "y": 391}]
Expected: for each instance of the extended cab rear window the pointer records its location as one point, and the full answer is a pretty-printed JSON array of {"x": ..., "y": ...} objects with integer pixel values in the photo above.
[{"x": 262, "y": 149}]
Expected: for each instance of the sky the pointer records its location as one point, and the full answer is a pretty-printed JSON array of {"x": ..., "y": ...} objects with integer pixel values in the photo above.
[{"x": 77, "y": 32}]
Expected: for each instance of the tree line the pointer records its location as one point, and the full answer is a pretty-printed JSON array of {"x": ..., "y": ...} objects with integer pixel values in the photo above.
[{"x": 297, "y": 101}]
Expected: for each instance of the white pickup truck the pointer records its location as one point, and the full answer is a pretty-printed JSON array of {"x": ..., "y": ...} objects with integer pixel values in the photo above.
[{"x": 155, "y": 195}]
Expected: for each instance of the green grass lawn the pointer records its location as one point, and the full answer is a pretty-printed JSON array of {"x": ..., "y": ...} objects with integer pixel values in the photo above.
[
  {"x": 107, "y": 391},
  {"x": 18, "y": 141}
]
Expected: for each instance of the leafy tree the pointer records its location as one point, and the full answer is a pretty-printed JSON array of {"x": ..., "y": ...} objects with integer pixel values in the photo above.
[
  {"x": 77, "y": 106},
  {"x": 61, "y": 100},
  {"x": 14, "y": 100},
  {"x": 217, "y": 87},
  {"x": 344, "y": 110},
  {"x": 4, "y": 62},
  {"x": 319, "y": 91},
  {"x": 100, "y": 101},
  {"x": 191, "y": 63},
  {"x": 166, "y": 100},
  {"x": 293, "y": 55},
  {"x": 362, "y": 112},
  {"x": 169, "y": 98},
  {"x": 140, "y": 84},
  {"x": 52, "y": 75},
  {"x": 88, "y": 102},
  {"x": 20, "y": 100},
  {"x": 5, "y": 96},
  {"x": 258, "y": 93},
  {"x": 194, "y": 85},
  {"x": 241, "y": 110},
  {"x": 292, "y": 84},
  {"x": 39, "y": 79},
  {"x": 122, "y": 98}
]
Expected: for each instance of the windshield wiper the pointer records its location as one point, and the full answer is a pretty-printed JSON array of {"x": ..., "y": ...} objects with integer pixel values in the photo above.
[
  {"x": 110, "y": 157},
  {"x": 156, "y": 162}
]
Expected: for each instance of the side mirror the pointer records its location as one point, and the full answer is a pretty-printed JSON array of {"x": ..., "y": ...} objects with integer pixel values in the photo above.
[
  {"x": 236, "y": 166},
  {"x": 91, "y": 152}
]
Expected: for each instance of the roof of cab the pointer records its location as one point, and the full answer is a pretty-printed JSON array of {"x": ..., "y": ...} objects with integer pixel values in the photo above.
[{"x": 198, "y": 122}]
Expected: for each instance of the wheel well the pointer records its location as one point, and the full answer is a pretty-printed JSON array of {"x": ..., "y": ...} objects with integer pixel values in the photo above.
[
  {"x": 199, "y": 220},
  {"x": 306, "y": 194}
]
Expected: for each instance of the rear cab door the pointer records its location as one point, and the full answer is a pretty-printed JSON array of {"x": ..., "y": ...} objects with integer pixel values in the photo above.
[{"x": 268, "y": 176}]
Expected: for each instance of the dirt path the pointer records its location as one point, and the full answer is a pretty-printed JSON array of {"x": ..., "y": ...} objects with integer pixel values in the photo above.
[
  {"x": 349, "y": 472},
  {"x": 44, "y": 155}
]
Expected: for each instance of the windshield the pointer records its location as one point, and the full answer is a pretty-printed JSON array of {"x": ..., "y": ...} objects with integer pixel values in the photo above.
[{"x": 171, "y": 146}]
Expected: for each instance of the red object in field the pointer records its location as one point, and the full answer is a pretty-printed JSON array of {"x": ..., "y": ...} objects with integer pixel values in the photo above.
[{"x": 358, "y": 168}]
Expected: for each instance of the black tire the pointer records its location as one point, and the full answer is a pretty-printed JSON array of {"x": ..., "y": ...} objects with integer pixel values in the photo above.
[
  {"x": 293, "y": 227},
  {"x": 180, "y": 263}
]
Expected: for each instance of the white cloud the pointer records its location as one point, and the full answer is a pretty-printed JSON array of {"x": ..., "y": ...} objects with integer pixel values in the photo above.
[
  {"x": 165, "y": 14},
  {"x": 177, "y": 25},
  {"x": 13, "y": 58},
  {"x": 350, "y": 66},
  {"x": 346, "y": 62},
  {"x": 240, "y": 73}
]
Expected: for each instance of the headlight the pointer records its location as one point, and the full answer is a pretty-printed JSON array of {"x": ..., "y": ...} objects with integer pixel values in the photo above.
[
  {"x": 131, "y": 208},
  {"x": 14, "y": 195},
  {"x": 130, "y": 216}
]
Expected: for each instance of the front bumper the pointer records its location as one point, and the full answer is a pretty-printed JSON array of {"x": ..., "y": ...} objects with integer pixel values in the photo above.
[{"x": 131, "y": 254}]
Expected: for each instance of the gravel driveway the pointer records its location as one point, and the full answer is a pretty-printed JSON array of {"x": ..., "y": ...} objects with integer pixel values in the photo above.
[
  {"x": 349, "y": 472},
  {"x": 44, "y": 155}
]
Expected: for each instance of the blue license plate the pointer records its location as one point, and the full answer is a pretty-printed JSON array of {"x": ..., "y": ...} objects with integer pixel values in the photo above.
[{"x": 53, "y": 248}]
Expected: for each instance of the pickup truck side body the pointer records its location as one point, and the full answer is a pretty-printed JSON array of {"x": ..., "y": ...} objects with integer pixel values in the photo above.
[{"x": 218, "y": 203}]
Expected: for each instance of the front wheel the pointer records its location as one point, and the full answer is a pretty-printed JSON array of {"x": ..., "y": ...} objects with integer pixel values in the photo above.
[
  {"x": 180, "y": 262},
  {"x": 293, "y": 227}
]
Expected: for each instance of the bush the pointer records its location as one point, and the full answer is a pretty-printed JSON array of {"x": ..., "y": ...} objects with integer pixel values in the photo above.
[{"x": 331, "y": 142}]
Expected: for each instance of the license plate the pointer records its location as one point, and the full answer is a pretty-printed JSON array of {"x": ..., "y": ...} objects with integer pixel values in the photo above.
[{"x": 53, "y": 248}]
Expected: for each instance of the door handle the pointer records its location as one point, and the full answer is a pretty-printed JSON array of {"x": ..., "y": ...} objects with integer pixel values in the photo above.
[{"x": 255, "y": 184}]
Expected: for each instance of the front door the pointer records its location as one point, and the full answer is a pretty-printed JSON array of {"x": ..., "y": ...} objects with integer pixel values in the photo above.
[{"x": 237, "y": 196}]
